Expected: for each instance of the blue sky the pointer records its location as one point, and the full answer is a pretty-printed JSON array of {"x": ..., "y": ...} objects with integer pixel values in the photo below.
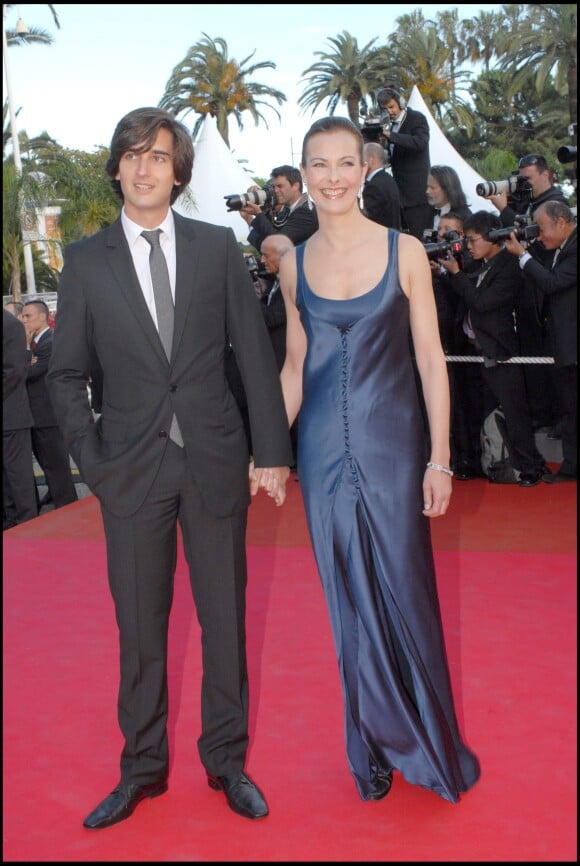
[{"x": 110, "y": 58}]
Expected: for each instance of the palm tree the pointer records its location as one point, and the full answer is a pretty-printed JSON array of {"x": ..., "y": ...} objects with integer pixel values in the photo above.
[
  {"x": 17, "y": 189},
  {"x": 420, "y": 56},
  {"x": 546, "y": 45},
  {"x": 479, "y": 37},
  {"x": 349, "y": 74},
  {"x": 33, "y": 35},
  {"x": 207, "y": 81}
]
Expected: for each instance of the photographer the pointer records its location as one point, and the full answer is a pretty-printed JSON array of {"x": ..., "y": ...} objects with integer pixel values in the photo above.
[
  {"x": 531, "y": 314},
  {"x": 466, "y": 385},
  {"x": 299, "y": 221},
  {"x": 491, "y": 295},
  {"x": 538, "y": 174},
  {"x": 558, "y": 284},
  {"x": 407, "y": 141}
]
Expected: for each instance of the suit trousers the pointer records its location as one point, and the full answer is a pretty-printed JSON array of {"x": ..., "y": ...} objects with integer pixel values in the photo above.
[
  {"x": 19, "y": 486},
  {"x": 566, "y": 383},
  {"x": 50, "y": 451},
  {"x": 141, "y": 557},
  {"x": 507, "y": 384}
]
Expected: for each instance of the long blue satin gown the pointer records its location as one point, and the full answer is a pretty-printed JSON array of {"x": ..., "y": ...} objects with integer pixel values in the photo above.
[{"x": 361, "y": 461}]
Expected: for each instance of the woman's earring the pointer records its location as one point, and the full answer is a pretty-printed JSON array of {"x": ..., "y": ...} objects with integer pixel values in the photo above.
[{"x": 311, "y": 202}]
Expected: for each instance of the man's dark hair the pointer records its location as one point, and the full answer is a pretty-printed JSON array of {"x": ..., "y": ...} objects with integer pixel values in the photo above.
[
  {"x": 42, "y": 306},
  {"x": 482, "y": 221},
  {"x": 448, "y": 180},
  {"x": 385, "y": 94},
  {"x": 331, "y": 124},
  {"x": 534, "y": 159},
  {"x": 453, "y": 215},
  {"x": 137, "y": 132},
  {"x": 291, "y": 174}
]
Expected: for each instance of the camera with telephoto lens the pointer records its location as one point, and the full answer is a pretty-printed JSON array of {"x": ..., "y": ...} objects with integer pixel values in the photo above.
[
  {"x": 567, "y": 154},
  {"x": 517, "y": 186},
  {"x": 451, "y": 246},
  {"x": 524, "y": 231},
  {"x": 265, "y": 197}
]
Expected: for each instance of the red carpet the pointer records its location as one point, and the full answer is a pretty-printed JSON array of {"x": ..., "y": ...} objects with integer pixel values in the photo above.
[{"x": 506, "y": 562}]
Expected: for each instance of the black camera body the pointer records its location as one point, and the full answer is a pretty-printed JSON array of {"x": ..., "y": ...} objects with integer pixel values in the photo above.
[
  {"x": 253, "y": 266},
  {"x": 373, "y": 128},
  {"x": 451, "y": 246},
  {"x": 518, "y": 188},
  {"x": 522, "y": 232},
  {"x": 265, "y": 197}
]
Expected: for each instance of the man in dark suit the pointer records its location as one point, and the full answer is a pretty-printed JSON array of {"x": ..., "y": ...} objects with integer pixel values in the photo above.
[
  {"x": 297, "y": 219},
  {"x": 155, "y": 311},
  {"x": 381, "y": 200},
  {"x": 490, "y": 295},
  {"x": 19, "y": 486},
  {"x": 47, "y": 439},
  {"x": 532, "y": 319},
  {"x": 407, "y": 141},
  {"x": 558, "y": 284}
]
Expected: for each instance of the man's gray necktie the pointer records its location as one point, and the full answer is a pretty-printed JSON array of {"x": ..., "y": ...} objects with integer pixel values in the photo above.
[{"x": 164, "y": 307}]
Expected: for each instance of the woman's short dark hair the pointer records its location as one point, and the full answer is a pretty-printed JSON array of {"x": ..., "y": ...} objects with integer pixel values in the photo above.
[
  {"x": 137, "y": 132},
  {"x": 331, "y": 124}
]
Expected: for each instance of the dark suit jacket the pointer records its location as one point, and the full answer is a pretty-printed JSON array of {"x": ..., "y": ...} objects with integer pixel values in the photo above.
[
  {"x": 381, "y": 200},
  {"x": 560, "y": 287},
  {"x": 40, "y": 402},
  {"x": 410, "y": 158},
  {"x": 16, "y": 414},
  {"x": 102, "y": 313},
  {"x": 491, "y": 304},
  {"x": 300, "y": 225}
]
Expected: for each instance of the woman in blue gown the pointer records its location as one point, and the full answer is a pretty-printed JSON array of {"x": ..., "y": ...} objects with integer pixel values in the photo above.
[{"x": 354, "y": 292}]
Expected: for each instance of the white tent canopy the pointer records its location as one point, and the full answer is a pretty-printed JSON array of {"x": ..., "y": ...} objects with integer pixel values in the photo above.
[
  {"x": 216, "y": 173},
  {"x": 441, "y": 152}
]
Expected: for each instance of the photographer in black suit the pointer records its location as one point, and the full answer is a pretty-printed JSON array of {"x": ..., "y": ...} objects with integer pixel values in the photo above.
[
  {"x": 407, "y": 141},
  {"x": 297, "y": 217},
  {"x": 558, "y": 284},
  {"x": 532, "y": 324},
  {"x": 491, "y": 295}
]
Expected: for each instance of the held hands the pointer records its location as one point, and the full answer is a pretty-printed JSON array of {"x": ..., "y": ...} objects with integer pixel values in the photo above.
[
  {"x": 436, "y": 492},
  {"x": 272, "y": 480}
]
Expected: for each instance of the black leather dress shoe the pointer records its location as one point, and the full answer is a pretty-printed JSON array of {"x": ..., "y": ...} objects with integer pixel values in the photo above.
[
  {"x": 382, "y": 782},
  {"x": 243, "y": 796},
  {"x": 530, "y": 479},
  {"x": 558, "y": 478},
  {"x": 121, "y": 804}
]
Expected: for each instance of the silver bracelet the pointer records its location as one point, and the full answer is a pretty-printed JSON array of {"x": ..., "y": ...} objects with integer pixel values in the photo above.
[{"x": 440, "y": 468}]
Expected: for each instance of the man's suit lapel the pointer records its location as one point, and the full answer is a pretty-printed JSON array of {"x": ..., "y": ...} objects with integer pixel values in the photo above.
[
  {"x": 187, "y": 249},
  {"x": 121, "y": 263}
]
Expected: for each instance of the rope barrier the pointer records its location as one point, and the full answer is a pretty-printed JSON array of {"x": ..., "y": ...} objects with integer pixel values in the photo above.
[{"x": 477, "y": 359}]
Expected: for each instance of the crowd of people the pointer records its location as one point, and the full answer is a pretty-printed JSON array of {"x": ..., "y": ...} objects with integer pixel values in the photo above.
[
  {"x": 212, "y": 384},
  {"x": 31, "y": 429}
]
